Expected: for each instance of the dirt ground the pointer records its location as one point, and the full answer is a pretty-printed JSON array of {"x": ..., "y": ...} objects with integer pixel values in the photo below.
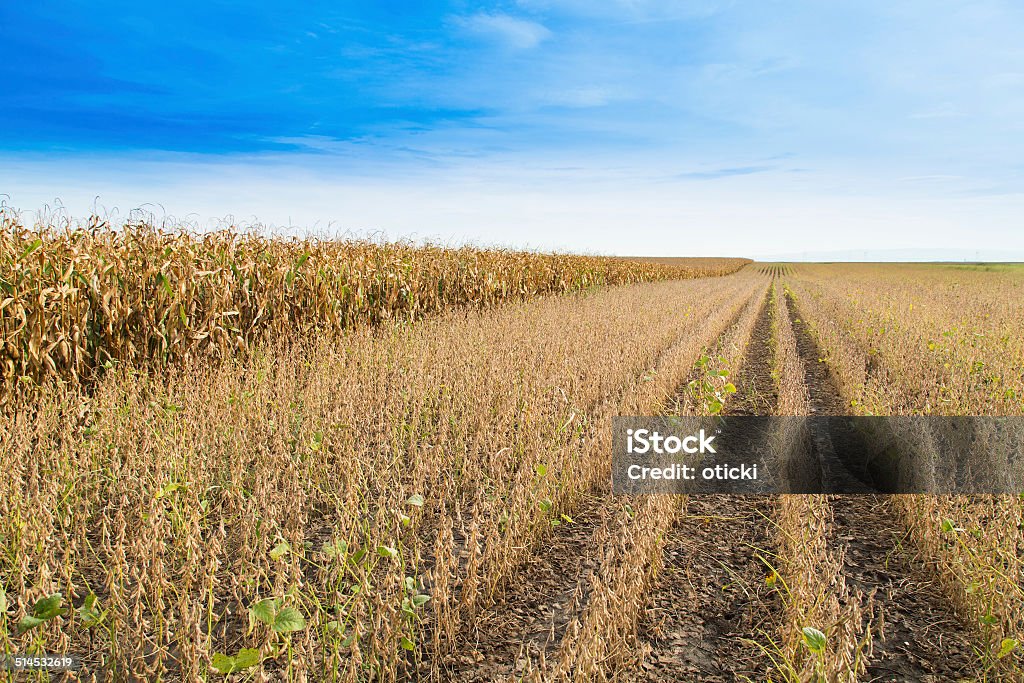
[{"x": 919, "y": 637}]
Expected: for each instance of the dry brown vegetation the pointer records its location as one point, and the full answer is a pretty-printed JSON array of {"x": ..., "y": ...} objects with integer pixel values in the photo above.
[
  {"x": 379, "y": 485},
  {"x": 809, "y": 570},
  {"x": 75, "y": 298},
  {"x": 937, "y": 339},
  {"x": 359, "y": 503}
]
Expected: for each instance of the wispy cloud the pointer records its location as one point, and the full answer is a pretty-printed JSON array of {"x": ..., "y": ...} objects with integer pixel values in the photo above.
[
  {"x": 511, "y": 31},
  {"x": 929, "y": 178},
  {"x": 849, "y": 107},
  {"x": 724, "y": 172}
]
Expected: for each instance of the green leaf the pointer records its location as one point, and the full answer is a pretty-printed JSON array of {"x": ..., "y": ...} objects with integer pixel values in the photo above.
[
  {"x": 387, "y": 551},
  {"x": 1006, "y": 647},
  {"x": 168, "y": 490},
  {"x": 280, "y": 550},
  {"x": 420, "y": 600},
  {"x": 416, "y": 500},
  {"x": 247, "y": 657},
  {"x": 264, "y": 610},
  {"x": 948, "y": 526},
  {"x": 410, "y": 584},
  {"x": 28, "y": 623},
  {"x": 541, "y": 470},
  {"x": 49, "y": 607},
  {"x": 988, "y": 619},
  {"x": 88, "y": 613},
  {"x": 165, "y": 283},
  {"x": 729, "y": 388},
  {"x": 546, "y": 504},
  {"x": 288, "y": 620},
  {"x": 3, "y": 601},
  {"x": 407, "y": 644},
  {"x": 30, "y": 249},
  {"x": 814, "y": 639},
  {"x": 223, "y": 663},
  {"x": 338, "y": 549}
]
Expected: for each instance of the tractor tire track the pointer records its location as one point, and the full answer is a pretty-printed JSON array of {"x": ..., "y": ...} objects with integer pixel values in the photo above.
[
  {"x": 918, "y": 635},
  {"x": 523, "y": 629},
  {"x": 710, "y": 599},
  {"x": 528, "y": 621}
]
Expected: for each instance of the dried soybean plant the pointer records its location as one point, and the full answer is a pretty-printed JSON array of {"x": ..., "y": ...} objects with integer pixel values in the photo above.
[
  {"x": 808, "y": 574},
  {"x": 338, "y": 508},
  {"x": 603, "y": 638},
  {"x": 937, "y": 340}
]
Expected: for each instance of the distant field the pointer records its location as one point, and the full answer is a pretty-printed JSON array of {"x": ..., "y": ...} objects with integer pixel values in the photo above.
[
  {"x": 985, "y": 267},
  {"x": 427, "y": 497}
]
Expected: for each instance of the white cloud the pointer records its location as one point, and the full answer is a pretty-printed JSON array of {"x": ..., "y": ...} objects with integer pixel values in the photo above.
[
  {"x": 929, "y": 178},
  {"x": 511, "y": 31},
  {"x": 614, "y": 210}
]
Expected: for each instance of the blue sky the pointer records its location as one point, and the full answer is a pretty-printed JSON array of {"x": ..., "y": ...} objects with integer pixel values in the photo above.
[{"x": 624, "y": 126}]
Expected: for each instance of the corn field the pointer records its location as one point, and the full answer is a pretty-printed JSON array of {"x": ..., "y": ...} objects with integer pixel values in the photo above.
[{"x": 77, "y": 299}]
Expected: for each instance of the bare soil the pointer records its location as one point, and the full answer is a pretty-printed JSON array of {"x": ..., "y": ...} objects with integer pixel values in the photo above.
[
  {"x": 710, "y": 600},
  {"x": 918, "y": 635},
  {"x": 756, "y": 393},
  {"x": 528, "y": 621}
]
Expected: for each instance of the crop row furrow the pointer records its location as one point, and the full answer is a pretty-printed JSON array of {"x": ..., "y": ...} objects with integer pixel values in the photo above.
[{"x": 968, "y": 574}]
